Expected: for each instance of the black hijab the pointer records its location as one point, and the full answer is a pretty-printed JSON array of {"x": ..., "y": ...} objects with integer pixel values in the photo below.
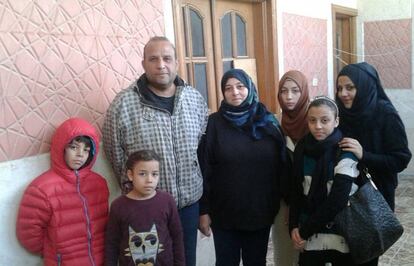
[{"x": 370, "y": 99}]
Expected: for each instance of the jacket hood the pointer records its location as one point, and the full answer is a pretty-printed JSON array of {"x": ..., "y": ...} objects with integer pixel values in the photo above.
[{"x": 68, "y": 130}]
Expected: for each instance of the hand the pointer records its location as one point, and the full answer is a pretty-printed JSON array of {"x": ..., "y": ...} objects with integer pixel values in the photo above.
[
  {"x": 298, "y": 242},
  {"x": 352, "y": 145},
  {"x": 204, "y": 224}
]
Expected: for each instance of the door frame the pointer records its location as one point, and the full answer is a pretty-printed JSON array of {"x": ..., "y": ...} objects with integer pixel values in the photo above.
[
  {"x": 350, "y": 15},
  {"x": 265, "y": 47}
]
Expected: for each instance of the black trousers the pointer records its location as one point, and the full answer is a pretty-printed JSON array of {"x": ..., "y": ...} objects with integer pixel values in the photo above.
[{"x": 233, "y": 245}]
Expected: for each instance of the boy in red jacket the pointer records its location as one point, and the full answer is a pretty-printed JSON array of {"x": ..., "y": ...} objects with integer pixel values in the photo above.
[{"x": 63, "y": 212}]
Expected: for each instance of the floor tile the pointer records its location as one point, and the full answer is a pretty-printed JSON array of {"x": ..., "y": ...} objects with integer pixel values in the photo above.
[{"x": 402, "y": 252}]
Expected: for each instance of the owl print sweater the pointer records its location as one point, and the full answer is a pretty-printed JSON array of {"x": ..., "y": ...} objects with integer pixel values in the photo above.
[{"x": 144, "y": 231}]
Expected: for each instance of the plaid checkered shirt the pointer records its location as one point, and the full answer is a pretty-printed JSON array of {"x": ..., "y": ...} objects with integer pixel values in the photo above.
[{"x": 133, "y": 124}]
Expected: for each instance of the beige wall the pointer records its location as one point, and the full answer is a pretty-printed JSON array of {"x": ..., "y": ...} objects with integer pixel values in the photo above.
[
  {"x": 305, "y": 49},
  {"x": 66, "y": 58},
  {"x": 61, "y": 59},
  {"x": 390, "y": 24}
]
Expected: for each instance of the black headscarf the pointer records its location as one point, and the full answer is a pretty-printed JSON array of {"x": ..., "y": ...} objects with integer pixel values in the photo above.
[{"x": 369, "y": 96}]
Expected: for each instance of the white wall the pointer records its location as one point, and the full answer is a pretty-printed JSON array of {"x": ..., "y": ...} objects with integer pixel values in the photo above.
[
  {"x": 14, "y": 176},
  {"x": 314, "y": 9},
  {"x": 384, "y": 9},
  {"x": 169, "y": 20}
]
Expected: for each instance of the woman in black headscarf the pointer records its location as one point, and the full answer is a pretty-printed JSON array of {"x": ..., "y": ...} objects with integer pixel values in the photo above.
[
  {"x": 241, "y": 157},
  {"x": 372, "y": 127}
]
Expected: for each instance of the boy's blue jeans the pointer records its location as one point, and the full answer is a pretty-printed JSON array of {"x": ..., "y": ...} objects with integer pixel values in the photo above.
[{"x": 189, "y": 217}]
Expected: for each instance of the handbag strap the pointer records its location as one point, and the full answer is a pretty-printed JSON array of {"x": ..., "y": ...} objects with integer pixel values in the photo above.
[
  {"x": 364, "y": 174},
  {"x": 367, "y": 175}
]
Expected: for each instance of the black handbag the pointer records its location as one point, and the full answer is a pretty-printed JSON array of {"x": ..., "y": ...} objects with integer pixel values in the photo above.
[{"x": 368, "y": 224}]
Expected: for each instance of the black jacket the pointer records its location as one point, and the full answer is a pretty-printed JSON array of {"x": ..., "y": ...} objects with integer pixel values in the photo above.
[{"x": 385, "y": 148}]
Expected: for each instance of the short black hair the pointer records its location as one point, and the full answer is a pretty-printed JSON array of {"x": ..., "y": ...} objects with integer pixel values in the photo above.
[{"x": 142, "y": 155}]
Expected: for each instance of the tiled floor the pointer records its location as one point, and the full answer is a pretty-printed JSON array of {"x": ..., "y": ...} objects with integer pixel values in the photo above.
[{"x": 402, "y": 252}]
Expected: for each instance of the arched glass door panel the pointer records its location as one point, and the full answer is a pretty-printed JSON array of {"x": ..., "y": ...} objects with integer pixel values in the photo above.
[{"x": 233, "y": 38}]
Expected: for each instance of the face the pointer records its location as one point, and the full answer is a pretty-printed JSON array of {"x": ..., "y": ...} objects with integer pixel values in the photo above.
[
  {"x": 235, "y": 92},
  {"x": 76, "y": 154},
  {"x": 160, "y": 64},
  {"x": 346, "y": 91},
  {"x": 290, "y": 94},
  {"x": 321, "y": 121},
  {"x": 144, "y": 177}
]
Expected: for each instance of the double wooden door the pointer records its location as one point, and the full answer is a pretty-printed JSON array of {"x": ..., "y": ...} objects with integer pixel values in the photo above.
[{"x": 211, "y": 38}]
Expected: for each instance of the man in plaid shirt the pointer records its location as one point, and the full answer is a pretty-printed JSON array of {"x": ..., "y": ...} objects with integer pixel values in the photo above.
[{"x": 160, "y": 112}]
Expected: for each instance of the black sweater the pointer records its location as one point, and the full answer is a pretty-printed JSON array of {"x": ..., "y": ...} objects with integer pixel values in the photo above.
[{"x": 241, "y": 177}]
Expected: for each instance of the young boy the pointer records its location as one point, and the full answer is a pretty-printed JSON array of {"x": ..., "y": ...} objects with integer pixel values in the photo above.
[
  {"x": 63, "y": 212},
  {"x": 144, "y": 226}
]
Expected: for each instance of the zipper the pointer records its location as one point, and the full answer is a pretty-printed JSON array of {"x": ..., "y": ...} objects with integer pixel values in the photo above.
[
  {"x": 88, "y": 222},
  {"x": 59, "y": 259},
  {"x": 176, "y": 165}
]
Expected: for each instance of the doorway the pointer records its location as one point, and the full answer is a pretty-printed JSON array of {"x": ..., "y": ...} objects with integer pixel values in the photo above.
[{"x": 344, "y": 37}]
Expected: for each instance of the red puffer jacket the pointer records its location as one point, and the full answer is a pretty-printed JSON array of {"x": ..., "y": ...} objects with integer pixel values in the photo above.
[{"x": 63, "y": 213}]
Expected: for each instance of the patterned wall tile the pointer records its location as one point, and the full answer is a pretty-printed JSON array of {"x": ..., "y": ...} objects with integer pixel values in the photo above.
[
  {"x": 388, "y": 47},
  {"x": 305, "y": 49},
  {"x": 66, "y": 58}
]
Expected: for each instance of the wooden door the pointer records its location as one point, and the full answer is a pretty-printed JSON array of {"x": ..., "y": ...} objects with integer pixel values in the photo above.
[
  {"x": 195, "y": 47},
  {"x": 234, "y": 39},
  {"x": 213, "y": 36}
]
